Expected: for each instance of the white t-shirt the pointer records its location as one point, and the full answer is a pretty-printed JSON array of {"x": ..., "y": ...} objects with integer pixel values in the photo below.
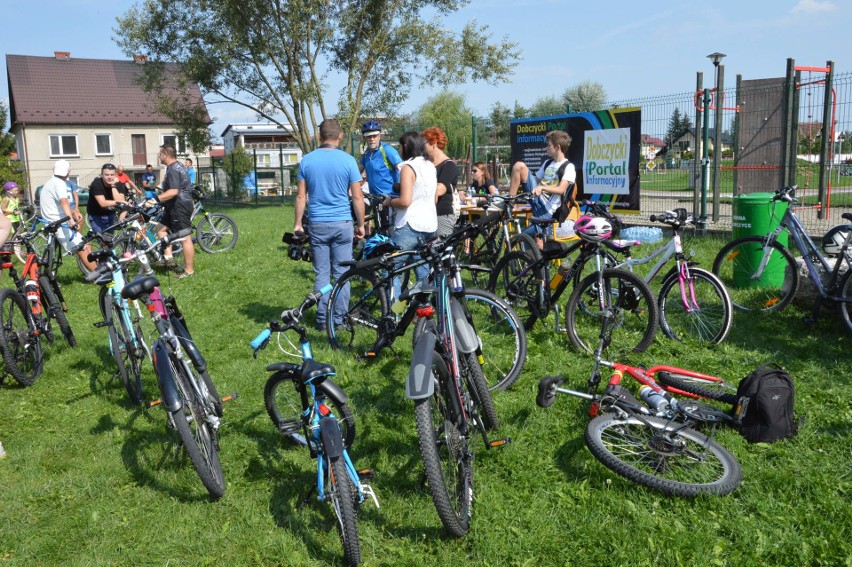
[
  {"x": 54, "y": 190},
  {"x": 547, "y": 177},
  {"x": 421, "y": 214}
]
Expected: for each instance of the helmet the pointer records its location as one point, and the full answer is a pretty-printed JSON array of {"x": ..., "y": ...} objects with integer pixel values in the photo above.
[
  {"x": 834, "y": 239},
  {"x": 377, "y": 245},
  {"x": 62, "y": 168},
  {"x": 371, "y": 127},
  {"x": 10, "y": 185},
  {"x": 593, "y": 229}
]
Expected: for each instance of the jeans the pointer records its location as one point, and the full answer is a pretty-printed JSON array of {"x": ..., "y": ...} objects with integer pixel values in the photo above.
[
  {"x": 101, "y": 222},
  {"x": 409, "y": 239},
  {"x": 331, "y": 243},
  {"x": 539, "y": 210}
]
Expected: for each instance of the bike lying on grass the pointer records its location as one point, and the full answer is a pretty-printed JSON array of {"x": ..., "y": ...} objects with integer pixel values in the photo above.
[
  {"x": 653, "y": 444},
  {"x": 309, "y": 408}
]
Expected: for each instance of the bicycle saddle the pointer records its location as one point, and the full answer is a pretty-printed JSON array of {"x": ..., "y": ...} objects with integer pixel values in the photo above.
[
  {"x": 138, "y": 288},
  {"x": 846, "y": 216},
  {"x": 312, "y": 370}
]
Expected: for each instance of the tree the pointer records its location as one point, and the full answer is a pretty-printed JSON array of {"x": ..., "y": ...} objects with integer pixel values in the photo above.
[
  {"x": 679, "y": 124},
  {"x": 10, "y": 169},
  {"x": 547, "y": 106},
  {"x": 497, "y": 132},
  {"x": 448, "y": 111},
  {"x": 276, "y": 57},
  {"x": 588, "y": 96},
  {"x": 238, "y": 164}
]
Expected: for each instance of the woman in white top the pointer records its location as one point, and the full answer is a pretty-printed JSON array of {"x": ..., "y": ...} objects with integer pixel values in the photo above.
[{"x": 416, "y": 216}]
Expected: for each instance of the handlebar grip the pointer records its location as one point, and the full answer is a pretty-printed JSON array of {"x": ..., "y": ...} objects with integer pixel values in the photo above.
[
  {"x": 260, "y": 339},
  {"x": 653, "y": 218}
]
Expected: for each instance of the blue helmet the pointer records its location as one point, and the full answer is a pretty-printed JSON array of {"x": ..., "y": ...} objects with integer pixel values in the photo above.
[
  {"x": 377, "y": 245},
  {"x": 371, "y": 127}
]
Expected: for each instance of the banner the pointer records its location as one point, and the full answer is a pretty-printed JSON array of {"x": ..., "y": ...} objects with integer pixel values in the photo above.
[{"x": 605, "y": 151}]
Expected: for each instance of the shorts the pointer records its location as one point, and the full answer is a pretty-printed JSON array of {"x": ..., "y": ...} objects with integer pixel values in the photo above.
[
  {"x": 530, "y": 184},
  {"x": 69, "y": 239},
  {"x": 178, "y": 217}
]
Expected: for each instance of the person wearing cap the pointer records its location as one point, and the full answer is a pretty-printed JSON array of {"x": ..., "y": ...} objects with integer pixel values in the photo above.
[
  {"x": 328, "y": 176},
  {"x": 54, "y": 206},
  {"x": 11, "y": 202},
  {"x": 380, "y": 162}
]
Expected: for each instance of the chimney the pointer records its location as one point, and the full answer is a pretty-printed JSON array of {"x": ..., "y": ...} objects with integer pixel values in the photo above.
[
  {"x": 62, "y": 54},
  {"x": 140, "y": 59}
]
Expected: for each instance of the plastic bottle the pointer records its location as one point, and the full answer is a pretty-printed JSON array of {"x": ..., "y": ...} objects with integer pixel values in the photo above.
[
  {"x": 31, "y": 291},
  {"x": 654, "y": 399},
  {"x": 157, "y": 299},
  {"x": 558, "y": 276}
]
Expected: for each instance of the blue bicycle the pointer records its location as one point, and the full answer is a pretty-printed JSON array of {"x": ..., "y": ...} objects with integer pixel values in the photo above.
[{"x": 310, "y": 409}]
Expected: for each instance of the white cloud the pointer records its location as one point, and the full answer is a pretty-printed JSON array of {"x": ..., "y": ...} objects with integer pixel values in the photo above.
[{"x": 812, "y": 7}]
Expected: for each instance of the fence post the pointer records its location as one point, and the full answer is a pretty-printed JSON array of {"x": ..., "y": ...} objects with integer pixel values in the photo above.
[
  {"x": 256, "y": 187},
  {"x": 215, "y": 185},
  {"x": 827, "y": 131},
  {"x": 699, "y": 114},
  {"x": 233, "y": 178},
  {"x": 281, "y": 170},
  {"x": 717, "y": 151},
  {"x": 473, "y": 137}
]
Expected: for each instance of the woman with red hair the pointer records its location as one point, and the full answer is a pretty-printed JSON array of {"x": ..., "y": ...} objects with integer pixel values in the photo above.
[{"x": 448, "y": 177}]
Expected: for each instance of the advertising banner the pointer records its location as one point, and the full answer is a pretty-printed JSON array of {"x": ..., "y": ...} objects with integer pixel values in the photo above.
[{"x": 605, "y": 151}]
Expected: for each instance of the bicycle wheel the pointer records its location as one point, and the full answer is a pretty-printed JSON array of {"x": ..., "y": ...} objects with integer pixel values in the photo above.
[
  {"x": 502, "y": 339},
  {"x": 472, "y": 372},
  {"x": 121, "y": 346},
  {"x": 447, "y": 455},
  {"x": 196, "y": 434},
  {"x": 343, "y": 494},
  {"x": 629, "y": 303},
  {"x": 284, "y": 407},
  {"x": 525, "y": 243},
  {"x": 702, "y": 310},
  {"x": 363, "y": 304},
  {"x": 21, "y": 348},
  {"x": 39, "y": 244},
  {"x": 846, "y": 292},
  {"x": 54, "y": 308},
  {"x": 477, "y": 256},
  {"x": 518, "y": 278},
  {"x": 662, "y": 455},
  {"x": 738, "y": 261},
  {"x": 718, "y": 391},
  {"x": 217, "y": 233}
]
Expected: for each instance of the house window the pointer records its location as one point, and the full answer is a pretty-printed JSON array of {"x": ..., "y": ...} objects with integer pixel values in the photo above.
[
  {"x": 178, "y": 143},
  {"x": 103, "y": 144},
  {"x": 63, "y": 145},
  {"x": 264, "y": 160}
]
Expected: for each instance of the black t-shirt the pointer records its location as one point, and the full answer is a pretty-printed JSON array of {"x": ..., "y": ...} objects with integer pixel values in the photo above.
[
  {"x": 448, "y": 174},
  {"x": 177, "y": 177},
  {"x": 483, "y": 189},
  {"x": 98, "y": 188}
]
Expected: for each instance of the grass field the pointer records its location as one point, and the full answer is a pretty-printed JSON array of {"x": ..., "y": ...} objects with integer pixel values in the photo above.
[{"x": 90, "y": 480}]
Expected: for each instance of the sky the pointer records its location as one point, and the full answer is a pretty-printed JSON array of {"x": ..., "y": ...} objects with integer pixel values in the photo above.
[{"x": 634, "y": 49}]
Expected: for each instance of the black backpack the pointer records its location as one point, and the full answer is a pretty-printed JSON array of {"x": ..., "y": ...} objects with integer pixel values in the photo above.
[
  {"x": 764, "y": 411},
  {"x": 566, "y": 201}
]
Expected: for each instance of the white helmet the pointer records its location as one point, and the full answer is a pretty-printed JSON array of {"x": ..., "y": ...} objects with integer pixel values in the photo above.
[
  {"x": 833, "y": 240},
  {"x": 62, "y": 168},
  {"x": 593, "y": 229}
]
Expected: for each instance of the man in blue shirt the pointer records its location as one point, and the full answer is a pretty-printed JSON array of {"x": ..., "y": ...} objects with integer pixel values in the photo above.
[
  {"x": 328, "y": 176},
  {"x": 190, "y": 171},
  {"x": 149, "y": 182},
  {"x": 380, "y": 163}
]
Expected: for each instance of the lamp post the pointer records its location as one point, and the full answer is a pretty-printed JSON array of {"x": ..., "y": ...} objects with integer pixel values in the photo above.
[{"x": 715, "y": 57}]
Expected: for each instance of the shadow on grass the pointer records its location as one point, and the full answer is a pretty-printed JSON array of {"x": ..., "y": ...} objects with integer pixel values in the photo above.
[{"x": 261, "y": 313}]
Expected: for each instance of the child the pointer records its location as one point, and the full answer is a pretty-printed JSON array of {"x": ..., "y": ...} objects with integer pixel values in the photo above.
[{"x": 10, "y": 203}]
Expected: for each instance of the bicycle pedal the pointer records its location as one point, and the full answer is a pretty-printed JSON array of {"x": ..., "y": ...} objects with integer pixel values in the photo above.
[
  {"x": 367, "y": 490},
  {"x": 153, "y": 403},
  {"x": 366, "y": 474},
  {"x": 229, "y": 397},
  {"x": 498, "y": 443},
  {"x": 99, "y": 324}
]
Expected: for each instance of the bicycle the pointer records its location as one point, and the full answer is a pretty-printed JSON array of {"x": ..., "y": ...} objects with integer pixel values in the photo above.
[
  {"x": 527, "y": 285},
  {"x": 187, "y": 392},
  {"x": 126, "y": 339},
  {"x": 374, "y": 319},
  {"x": 762, "y": 275},
  {"x": 692, "y": 301},
  {"x": 216, "y": 232},
  {"x": 652, "y": 444},
  {"x": 300, "y": 397},
  {"x": 479, "y": 253},
  {"x": 451, "y": 398}
]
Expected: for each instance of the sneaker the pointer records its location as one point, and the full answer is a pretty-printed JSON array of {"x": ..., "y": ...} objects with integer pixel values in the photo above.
[
  {"x": 184, "y": 275},
  {"x": 319, "y": 326},
  {"x": 170, "y": 263}
]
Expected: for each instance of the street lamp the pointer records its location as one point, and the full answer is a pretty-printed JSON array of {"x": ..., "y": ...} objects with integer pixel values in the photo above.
[{"x": 716, "y": 58}]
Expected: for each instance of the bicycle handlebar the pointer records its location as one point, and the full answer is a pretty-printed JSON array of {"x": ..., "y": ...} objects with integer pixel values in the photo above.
[{"x": 290, "y": 317}]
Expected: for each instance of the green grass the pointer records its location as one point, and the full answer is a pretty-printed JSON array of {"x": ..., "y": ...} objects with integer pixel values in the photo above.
[{"x": 90, "y": 480}]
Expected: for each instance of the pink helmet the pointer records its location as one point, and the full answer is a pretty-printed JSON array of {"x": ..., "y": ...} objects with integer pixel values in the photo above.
[{"x": 593, "y": 229}]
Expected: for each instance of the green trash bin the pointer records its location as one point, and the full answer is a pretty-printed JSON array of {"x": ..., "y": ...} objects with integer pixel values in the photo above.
[{"x": 756, "y": 214}]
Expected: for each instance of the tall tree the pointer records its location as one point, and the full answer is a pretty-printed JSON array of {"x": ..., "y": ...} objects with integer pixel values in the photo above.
[
  {"x": 679, "y": 124},
  {"x": 588, "y": 96},
  {"x": 547, "y": 106},
  {"x": 276, "y": 57},
  {"x": 497, "y": 132},
  {"x": 448, "y": 111}
]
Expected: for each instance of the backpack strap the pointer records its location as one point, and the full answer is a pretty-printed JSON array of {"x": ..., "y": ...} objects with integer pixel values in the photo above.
[{"x": 385, "y": 156}]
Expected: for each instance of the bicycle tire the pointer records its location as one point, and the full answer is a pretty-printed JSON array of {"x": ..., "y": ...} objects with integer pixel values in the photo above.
[
  {"x": 525, "y": 243},
  {"x": 716, "y": 391},
  {"x": 217, "y": 232},
  {"x": 118, "y": 343},
  {"x": 477, "y": 256},
  {"x": 284, "y": 408},
  {"x": 503, "y": 345},
  {"x": 196, "y": 435},
  {"x": 630, "y": 301},
  {"x": 708, "y": 320},
  {"x": 366, "y": 307},
  {"x": 735, "y": 265},
  {"x": 472, "y": 371},
  {"x": 343, "y": 495},
  {"x": 54, "y": 309},
  {"x": 517, "y": 278},
  {"x": 20, "y": 347},
  {"x": 846, "y": 292},
  {"x": 447, "y": 456},
  {"x": 665, "y": 456}
]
